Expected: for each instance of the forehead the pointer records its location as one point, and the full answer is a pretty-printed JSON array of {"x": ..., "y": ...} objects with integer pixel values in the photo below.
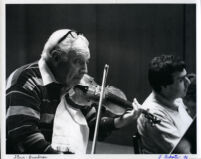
[
  {"x": 84, "y": 55},
  {"x": 178, "y": 75},
  {"x": 80, "y": 47}
]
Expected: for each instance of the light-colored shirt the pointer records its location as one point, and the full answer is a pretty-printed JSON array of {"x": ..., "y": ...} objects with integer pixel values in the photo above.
[
  {"x": 164, "y": 136},
  {"x": 70, "y": 132}
]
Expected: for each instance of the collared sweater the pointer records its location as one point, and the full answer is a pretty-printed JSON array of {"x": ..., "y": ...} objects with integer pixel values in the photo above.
[{"x": 31, "y": 107}]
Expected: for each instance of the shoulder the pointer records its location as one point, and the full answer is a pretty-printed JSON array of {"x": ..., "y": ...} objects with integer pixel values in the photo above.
[
  {"x": 154, "y": 107},
  {"x": 157, "y": 109},
  {"x": 27, "y": 74},
  {"x": 166, "y": 125}
]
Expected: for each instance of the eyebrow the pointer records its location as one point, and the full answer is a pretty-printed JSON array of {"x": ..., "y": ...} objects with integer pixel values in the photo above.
[{"x": 82, "y": 58}]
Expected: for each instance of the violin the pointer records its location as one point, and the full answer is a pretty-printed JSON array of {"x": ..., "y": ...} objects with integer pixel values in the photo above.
[{"x": 87, "y": 93}]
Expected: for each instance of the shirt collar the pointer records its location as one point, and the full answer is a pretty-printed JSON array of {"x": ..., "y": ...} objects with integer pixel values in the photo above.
[{"x": 47, "y": 75}]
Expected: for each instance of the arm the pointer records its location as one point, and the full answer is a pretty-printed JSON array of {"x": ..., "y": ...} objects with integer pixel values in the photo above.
[
  {"x": 106, "y": 125},
  {"x": 23, "y": 116}
]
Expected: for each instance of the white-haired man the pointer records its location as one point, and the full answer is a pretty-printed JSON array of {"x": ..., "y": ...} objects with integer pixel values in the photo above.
[{"x": 36, "y": 101}]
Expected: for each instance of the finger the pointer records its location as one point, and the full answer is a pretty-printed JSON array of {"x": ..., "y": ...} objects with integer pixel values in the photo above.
[
  {"x": 135, "y": 104},
  {"x": 135, "y": 100}
]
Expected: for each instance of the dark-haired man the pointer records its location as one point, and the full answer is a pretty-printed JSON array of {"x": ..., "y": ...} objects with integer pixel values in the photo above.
[{"x": 168, "y": 79}]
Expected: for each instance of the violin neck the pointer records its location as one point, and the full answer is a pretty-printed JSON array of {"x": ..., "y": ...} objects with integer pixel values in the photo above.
[{"x": 120, "y": 101}]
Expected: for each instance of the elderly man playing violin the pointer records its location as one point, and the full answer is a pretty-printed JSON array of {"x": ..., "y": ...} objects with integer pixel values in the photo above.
[{"x": 41, "y": 117}]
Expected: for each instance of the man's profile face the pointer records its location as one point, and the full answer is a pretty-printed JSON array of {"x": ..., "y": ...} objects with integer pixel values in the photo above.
[
  {"x": 180, "y": 84},
  {"x": 72, "y": 67}
]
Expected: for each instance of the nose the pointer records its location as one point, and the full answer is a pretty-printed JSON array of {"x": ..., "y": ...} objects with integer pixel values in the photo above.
[
  {"x": 187, "y": 81},
  {"x": 84, "y": 69}
]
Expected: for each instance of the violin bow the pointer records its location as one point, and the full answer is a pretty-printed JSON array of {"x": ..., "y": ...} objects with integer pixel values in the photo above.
[{"x": 99, "y": 108}]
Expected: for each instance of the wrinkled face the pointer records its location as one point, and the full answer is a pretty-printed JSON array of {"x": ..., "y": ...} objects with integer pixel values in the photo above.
[
  {"x": 180, "y": 85},
  {"x": 72, "y": 67}
]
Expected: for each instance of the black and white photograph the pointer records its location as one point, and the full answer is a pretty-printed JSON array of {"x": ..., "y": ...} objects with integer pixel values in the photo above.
[{"x": 100, "y": 78}]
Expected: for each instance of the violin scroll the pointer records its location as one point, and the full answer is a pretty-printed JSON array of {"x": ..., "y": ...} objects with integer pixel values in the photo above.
[{"x": 152, "y": 118}]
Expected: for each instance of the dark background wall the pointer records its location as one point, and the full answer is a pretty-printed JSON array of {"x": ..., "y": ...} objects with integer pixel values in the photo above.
[{"x": 124, "y": 36}]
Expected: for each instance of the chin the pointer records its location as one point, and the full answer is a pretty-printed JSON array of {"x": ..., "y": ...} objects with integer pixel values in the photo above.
[
  {"x": 75, "y": 82},
  {"x": 182, "y": 95}
]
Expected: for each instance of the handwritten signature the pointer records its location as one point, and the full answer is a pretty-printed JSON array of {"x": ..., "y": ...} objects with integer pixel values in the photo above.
[
  {"x": 170, "y": 156},
  {"x": 30, "y": 157}
]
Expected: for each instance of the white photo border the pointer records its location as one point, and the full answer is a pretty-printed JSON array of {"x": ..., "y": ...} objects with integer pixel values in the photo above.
[{"x": 3, "y": 66}]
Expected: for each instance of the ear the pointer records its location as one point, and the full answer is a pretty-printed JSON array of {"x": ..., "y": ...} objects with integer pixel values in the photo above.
[{"x": 56, "y": 55}]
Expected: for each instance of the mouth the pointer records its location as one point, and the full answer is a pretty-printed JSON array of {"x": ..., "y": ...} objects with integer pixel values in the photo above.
[{"x": 79, "y": 77}]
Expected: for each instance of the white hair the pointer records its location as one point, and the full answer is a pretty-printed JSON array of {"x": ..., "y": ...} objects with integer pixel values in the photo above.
[{"x": 79, "y": 44}]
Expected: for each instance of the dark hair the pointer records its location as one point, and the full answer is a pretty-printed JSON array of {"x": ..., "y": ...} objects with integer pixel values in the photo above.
[{"x": 161, "y": 69}]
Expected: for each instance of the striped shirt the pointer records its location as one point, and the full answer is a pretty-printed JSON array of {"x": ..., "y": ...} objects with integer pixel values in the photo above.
[{"x": 31, "y": 104}]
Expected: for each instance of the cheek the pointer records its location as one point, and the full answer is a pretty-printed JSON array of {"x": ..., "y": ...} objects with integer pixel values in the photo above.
[
  {"x": 181, "y": 89},
  {"x": 73, "y": 72},
  {"x": 176, "y": 89},
  {"x": 65, "y": 69},
  {"x": 182, "y": 86}
]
